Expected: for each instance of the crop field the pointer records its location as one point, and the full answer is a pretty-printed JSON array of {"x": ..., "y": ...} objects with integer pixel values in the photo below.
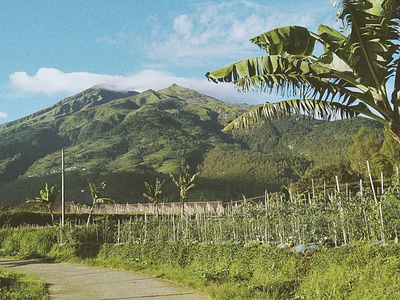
[
  {"x": 332, "y": 218},
  {"x": 330, "y": 244}
]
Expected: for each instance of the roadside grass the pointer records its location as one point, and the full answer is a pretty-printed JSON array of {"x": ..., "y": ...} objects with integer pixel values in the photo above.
[
  {"x": 222, "y": 269},
  {"x": 255, "y": 271},
  {"x": 16, "y": 286}
]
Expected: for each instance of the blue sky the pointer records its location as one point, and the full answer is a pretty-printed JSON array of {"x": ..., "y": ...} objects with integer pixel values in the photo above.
[{"x": 53, "y": 49}]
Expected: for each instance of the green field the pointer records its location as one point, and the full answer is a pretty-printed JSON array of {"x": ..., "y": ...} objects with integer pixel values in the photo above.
[{"x": 335, "y": 245}]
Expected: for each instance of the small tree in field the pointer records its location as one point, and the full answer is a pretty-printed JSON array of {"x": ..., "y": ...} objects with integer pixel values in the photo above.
[
  {"x": 154, "y": 193},
  {"x": 98, "y": 198},
  {"x": 365, "y": 148},
  {"x": 185, "y": 182},
  {"x": 47, "y": 197}
]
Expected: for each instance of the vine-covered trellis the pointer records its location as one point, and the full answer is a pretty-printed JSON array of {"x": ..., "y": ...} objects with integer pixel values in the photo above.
[{"x": 330, "y": 217}]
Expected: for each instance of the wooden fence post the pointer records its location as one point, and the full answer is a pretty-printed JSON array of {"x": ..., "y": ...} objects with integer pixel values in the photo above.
[{"x": 372, "y": 184}]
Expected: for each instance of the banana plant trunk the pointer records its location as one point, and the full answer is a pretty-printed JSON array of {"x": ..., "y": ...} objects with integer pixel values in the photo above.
[
  {"x": 90, "y": 215},
  {"x": 183, "y": 209},
  {"x": 51, "y": 214}
]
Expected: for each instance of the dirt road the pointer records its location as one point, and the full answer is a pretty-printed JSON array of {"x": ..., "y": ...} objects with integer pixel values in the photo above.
[{"x": 70, "y": 281}]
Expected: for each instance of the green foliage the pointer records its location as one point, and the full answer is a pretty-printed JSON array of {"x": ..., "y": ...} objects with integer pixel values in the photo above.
[
  {"x": 254, "y": 270},
  {"x": 390, "y": 149},
  {"x": 236, "y": 254},
  {"x": 98, "y": 198},
  {"x": 154, "y": 192},
  {"x": 15, "y": 286},
  {"x": 28, "y": 242},
  {"x": 185, "y": 183},
  {"x": 127, "y": 139},
  {"x": 362, "y": 271},
  {"x": 231, "y": 172},
  {"x": 47, "y": 198},
  {"x": 365, "y": 148},
  {"x": 324, "y": 176},
  {"x": 97, "y": 194},
  {"x": 350, "y": 77}
]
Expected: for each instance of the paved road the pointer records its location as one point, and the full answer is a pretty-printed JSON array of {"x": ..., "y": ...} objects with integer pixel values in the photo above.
[{"x": 70, "y": 281}]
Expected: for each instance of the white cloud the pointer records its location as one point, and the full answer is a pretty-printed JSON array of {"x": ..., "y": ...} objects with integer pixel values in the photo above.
[
  {"x": 240, "y": 29},
  {"x": 3, "y": 115},
  {"x": 212, "y": 31},
  {"x": 212, "y": 35},
  {"x": 52, "y": 81},
  {"x": 223, "y": 30},
  {"x": 122, "y": 38},
  {"x": 183, "y": 25}
]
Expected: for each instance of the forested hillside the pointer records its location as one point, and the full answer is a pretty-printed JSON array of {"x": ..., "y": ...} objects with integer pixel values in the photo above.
[{"x": 128, "y": 138}]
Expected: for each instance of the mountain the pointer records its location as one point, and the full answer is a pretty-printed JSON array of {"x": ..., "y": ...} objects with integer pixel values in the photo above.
[
  {"x": 108, "y": 131},
  {"x": 129, "y": 138}
]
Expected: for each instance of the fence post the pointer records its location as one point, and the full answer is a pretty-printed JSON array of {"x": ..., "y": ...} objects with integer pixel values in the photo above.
[
  {"x": 372, "y": 184},
  {"x": 337, "y": 184},
  {"x": 119, "y": 232},
  {"x": 313, "y": 188}
]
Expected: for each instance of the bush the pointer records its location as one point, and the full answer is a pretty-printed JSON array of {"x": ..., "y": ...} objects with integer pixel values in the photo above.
[
  {"x": 28, "y": 242},
  {"x": 357, "y": 272}
]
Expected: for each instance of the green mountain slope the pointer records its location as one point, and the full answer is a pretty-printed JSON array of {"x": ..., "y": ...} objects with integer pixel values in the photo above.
[{"x": 127, "y": 138}]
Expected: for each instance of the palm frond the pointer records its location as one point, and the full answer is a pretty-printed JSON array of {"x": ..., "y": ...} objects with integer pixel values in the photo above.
[
  {"x": 330, "y": 38},
  {"x": 266, "y": 65},
  {"x": 105, "y": 200},
  {"x": 285, "y": 74},
  {"x": 294, "y": 40},
  {"x": 33, "y": 200},
  {"x": 348, "y": 79},
  {"x": 312, "y": 108},
  {"x": 367, "y": 45}
]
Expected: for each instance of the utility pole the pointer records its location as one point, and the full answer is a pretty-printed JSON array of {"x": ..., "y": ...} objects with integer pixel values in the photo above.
[{"x": 62, "y": 189}]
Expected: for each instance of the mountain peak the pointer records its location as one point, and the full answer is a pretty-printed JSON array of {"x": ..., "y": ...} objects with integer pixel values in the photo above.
[
  {"x": 177, "y": 88},
  {"x": 189, "y": 95}
]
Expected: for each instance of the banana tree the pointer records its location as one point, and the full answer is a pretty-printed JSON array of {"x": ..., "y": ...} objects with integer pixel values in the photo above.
[
  {"x": 154, "y": 192},
  {"x": 47, "y": 198},
  {"x": 185, "y": 182},
  {"x": 355, "y": 74},
  {"x": 98, "y": 198}
]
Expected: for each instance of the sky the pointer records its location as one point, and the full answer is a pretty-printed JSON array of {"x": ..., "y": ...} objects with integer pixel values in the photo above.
[{"x": 52, "y": 49}]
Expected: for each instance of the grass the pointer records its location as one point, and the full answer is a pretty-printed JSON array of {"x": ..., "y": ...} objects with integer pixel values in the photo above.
[
  {"x": 223, "y": 270},
  {"x": 234, "y": 256},
  {"x": 16, "y": 286},
  {"x": 255, "y": 270}
]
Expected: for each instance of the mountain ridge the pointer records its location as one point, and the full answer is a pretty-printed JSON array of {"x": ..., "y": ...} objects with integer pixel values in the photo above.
[
  {"x": 95, "y": 113},
  {"x": 65, "y": 107},
  {"x": 107, "y": 134}
]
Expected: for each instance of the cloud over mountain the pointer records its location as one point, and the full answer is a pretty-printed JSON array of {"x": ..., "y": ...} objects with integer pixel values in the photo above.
[{"x": 53, "y": 81}]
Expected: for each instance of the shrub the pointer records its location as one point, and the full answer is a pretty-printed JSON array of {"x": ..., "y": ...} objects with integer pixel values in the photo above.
[{"x": 28, "y": 242}]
